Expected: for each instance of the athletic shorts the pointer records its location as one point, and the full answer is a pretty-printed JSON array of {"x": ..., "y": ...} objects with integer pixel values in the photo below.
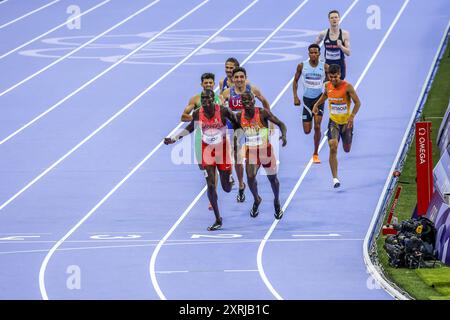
[
  {"x": 308, "y": 106},
  {"x": 340, "y": 63},
  {"x": 217, "y": 155},
  {"x": 337, "y": 131},
  {"x": 262, "y": 155}
]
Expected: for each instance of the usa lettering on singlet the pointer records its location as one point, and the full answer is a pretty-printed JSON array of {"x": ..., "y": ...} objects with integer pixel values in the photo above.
[{"x": 234, "y": 101}]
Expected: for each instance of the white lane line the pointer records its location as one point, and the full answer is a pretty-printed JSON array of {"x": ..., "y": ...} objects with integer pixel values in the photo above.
[
  {"x": 60, "y": 102},
  {"x": 4, "y": 1},
  {"x": 77, "y": 49},
  {"x": 151, "y": 244},
  {"x": 297, "y": 185},
  {"x": 181, "y": 218},
  {"x": 48, "y": 256},
  {"x": 51, "y": 30},
  {"x": 174, "y": 242},
  {"x": 28, "y": 14},
  {"x": 371, "y": 268},
  {"x": 317, "y": 235},
  {"x": 114, "y": 116}
]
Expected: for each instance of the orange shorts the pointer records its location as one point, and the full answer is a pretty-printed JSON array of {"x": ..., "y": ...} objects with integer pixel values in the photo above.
[
  {"x": 217, "y": 155},
  {"x": 262, "y": 155}
]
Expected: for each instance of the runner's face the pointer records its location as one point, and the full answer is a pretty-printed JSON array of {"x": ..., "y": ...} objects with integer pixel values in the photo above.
[
  {"x": 208, "y": 84},
  {"x": 335, "y": 78},
  {"x": 207, "y": 101},
  {"x": 239, "y": 79},
  {"x": 334, "y": 19},
  {"x": 229, "y": 67},
  {"x": 314, "y": 54},
  {"x": 247, "y": 101}
]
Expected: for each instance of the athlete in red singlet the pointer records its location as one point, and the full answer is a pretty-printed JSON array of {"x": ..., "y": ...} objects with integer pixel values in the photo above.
[
  {"x": 211, "y": 118},
  {"x": 258, "y": 151}
]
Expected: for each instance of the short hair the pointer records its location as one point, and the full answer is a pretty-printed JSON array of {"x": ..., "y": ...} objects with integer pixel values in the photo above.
[
  {"x": 248, "y": 93},
  {"x": 208, "y": 75},
  {"x": 233, "y": 60},
  {"x": 239, "y": 69},
  {"x": 314, "y": 45},
  {"x": 333, "y": 11},
  {"x": 207, "y": 93},
  {"x": 334, "y": 68}
]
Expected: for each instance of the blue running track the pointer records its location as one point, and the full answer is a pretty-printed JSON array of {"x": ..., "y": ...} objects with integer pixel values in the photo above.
[{"x": 93, "y": 207}]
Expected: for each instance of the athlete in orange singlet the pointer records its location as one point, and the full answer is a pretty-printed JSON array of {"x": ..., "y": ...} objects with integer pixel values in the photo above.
[{"x": 339, "y": 93}]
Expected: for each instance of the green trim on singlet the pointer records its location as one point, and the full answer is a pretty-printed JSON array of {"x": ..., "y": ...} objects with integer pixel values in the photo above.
[{"x": 198, "y": 132}]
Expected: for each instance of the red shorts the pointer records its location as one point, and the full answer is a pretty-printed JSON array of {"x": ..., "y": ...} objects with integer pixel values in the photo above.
[
  {"x": 262, "y": 155},
  {"x": 217, "y": 155}
]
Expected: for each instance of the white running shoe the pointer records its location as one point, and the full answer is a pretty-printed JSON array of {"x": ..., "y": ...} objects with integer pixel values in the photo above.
[{"x": 336, "y": 183}]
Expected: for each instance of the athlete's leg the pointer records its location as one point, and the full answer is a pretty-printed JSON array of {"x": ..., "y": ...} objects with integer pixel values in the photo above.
[
  {"x": 212, "y": 194},
  {"x": 225, "y": 180},
  {"x": 239, "y": 167},
  {"x": 210, "y": 207},
  {"x": 317, "y": 133},
  {"x": 347, "y": 138},
  {"x": 307, "y": 115},
  {"x": 307, "y": 127},
  {"x": 275, "y": 184},
  {"x": 252, "y": 170},
  {"x": 333, "y": 144},
  {"x": 343, "y": 66}
]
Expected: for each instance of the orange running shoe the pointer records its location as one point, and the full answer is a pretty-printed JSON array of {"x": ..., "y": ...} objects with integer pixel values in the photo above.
[{"x": 316, "y": 158}]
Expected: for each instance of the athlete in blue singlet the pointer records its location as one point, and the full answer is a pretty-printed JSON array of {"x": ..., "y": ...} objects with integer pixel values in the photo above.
[
  {"x": 227, "y": 82},
  {"x": 313, "y": 73},
  {"x": 336, "y": 42}
]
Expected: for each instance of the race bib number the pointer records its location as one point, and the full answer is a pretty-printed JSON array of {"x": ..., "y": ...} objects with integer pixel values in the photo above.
[
  {"x": 313, "y": 83},
  {"x": 333, "y": 55},
  {"x": 212, "y": 136},
  {"x": 253, "y": 141},
  {"x": 339, "y": 108}
]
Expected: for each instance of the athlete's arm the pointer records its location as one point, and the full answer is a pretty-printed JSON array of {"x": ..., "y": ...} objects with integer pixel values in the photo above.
[
  {"x": 357, "y": 103},
  {"x": 183, "y": 132},
  {"x": 221, "y": 85},
  {"x": 297, "y": 76},
  {"x": 269, "y": 116},
  {"x": 326, "y": 66},
  {"x": 228, "y": 114},
  {"x": 321, "y": 100},
  {"x": 320, "y": 37},
  {"x": 224, "y": 96},
  {"x": 186, "y": 116},
  {"x": 260, "y": 97},
  {"x": 345, "y": 46}
]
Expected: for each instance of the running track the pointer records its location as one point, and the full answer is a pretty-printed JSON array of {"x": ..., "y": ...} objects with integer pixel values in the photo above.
[{"x": 86, "y": 185}]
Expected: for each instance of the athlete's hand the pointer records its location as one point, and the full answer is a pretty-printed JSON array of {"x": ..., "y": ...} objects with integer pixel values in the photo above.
[
  {"x": 296, "y": 101},
  {"x": 315, "y": 110},
  {"x": 350, "y": 122},
  {"x": 340, "y": 44},
  {"x": 283, "y": 138},
  {"x": 169, "y": 141}
]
